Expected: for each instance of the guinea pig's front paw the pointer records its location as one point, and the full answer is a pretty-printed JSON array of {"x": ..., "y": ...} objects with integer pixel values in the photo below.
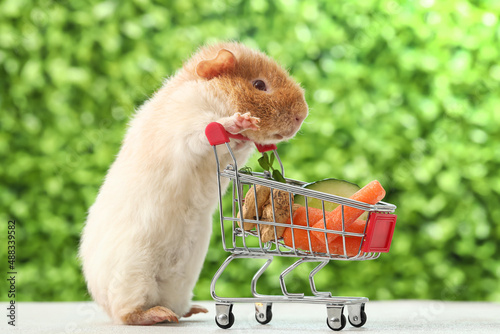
[{"x": 238, "y": 123}]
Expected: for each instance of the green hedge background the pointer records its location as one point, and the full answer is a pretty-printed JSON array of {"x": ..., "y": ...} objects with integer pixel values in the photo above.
[{"x": 406, "y": 92}]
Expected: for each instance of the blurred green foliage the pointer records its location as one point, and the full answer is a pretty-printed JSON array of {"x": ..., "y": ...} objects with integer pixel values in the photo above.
[{"x": 400, "y": 91}]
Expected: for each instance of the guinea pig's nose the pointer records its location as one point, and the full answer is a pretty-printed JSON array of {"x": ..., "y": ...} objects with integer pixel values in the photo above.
[{"x": 299, "y": 119}]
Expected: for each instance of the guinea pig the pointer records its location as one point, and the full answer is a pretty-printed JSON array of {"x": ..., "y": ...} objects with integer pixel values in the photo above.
[{"x": 147, "y": 234}]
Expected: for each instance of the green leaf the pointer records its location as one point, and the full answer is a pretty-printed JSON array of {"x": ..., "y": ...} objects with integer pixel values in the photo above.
[
  {"x": 272, "y": 157},
  {"x": 278, "y": 177},
  {"x": 246, "y": 170},
  {"x": 264, "y": 162}
]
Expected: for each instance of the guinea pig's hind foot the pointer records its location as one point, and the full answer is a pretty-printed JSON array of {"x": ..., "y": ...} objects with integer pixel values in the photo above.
[
  {"x": 150, "y": 317},
  {"x": 194, "y": 310}
]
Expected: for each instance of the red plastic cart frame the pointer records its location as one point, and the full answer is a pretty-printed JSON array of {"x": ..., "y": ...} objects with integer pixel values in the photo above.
[
  {"x": 217, "y": 135},
  {"x": 379, "y": 232}
]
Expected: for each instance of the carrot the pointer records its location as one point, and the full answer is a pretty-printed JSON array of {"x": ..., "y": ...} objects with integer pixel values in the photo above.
[
  {"x": 300, "y": 216},
  {"x": 336, "y": 246},
  {"x": 370, "y": 194},
  {"x": 351, "y": 243},
  {"x": 301, "y": 236}
]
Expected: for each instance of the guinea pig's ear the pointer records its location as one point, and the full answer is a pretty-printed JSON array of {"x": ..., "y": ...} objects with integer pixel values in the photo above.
[{"x": 224, "y": 62}]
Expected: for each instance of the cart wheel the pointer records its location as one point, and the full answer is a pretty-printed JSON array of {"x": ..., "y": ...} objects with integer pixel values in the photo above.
[
  {"x": 355, "y": 322},
  {"x": 334, "y": 325},
  {"x": 224, "y": 321},
  {"x": 261, "y": 317}
]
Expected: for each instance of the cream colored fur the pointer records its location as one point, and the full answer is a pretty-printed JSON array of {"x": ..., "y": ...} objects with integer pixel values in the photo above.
[{"x": 147, "y": 234}]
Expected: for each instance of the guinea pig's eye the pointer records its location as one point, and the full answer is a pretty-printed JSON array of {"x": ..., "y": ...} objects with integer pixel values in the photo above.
[{"x": 260, "y": 85}]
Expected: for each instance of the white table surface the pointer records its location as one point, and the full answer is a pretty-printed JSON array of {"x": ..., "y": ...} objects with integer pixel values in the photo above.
[{"x": 402, "y": 316}]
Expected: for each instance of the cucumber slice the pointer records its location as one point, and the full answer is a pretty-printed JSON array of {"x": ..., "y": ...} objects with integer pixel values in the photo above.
[{"x": 329, "y": 186}]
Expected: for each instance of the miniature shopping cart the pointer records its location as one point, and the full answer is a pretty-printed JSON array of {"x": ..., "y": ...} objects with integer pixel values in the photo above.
[{"x": 375, "y": 239}]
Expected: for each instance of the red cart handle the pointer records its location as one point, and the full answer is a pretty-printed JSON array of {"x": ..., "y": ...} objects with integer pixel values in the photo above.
[{"x": 217, "y": 135}]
